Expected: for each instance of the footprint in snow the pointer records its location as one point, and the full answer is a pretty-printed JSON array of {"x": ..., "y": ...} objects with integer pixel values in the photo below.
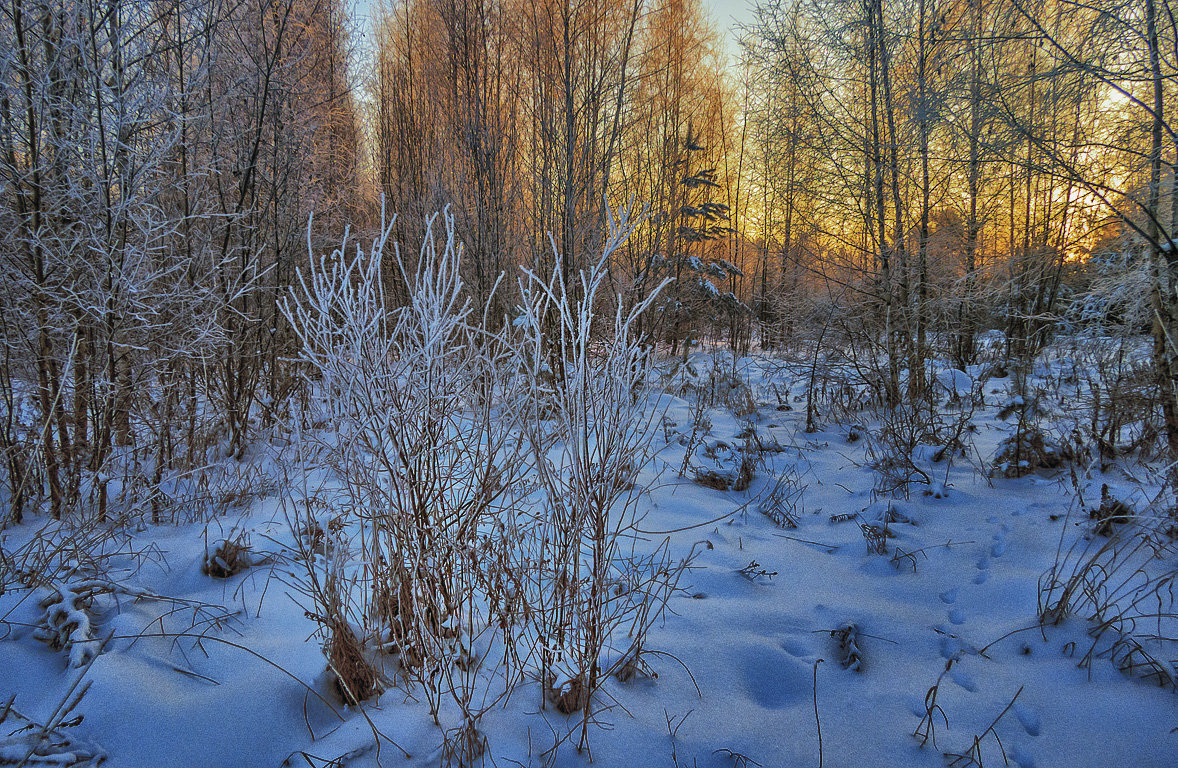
[
  {"x": 795, "y": 648},
  {"x": 949, "y": 596},
  {"x": 964, "y": 679},
  {"x": 983, "y": 570},
  {"x": 956, "y": 616},
  {"x": 774, "y": 680},
  {"x": 999, "y": 549},
  {"x": 950, "y": 647},
  {"x": 1028, "y": 718},
  {"x": 1022, "y": 758}
]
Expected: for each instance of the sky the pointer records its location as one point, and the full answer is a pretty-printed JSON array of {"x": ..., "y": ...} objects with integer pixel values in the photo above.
[{"x": 725, "y": 13}]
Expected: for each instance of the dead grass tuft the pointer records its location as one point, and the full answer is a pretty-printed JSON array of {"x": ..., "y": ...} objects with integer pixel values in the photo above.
[
  {"x": 1112, "y": 511},
  {"x": 355, "y": 678},
  {"x": 228, "y": 557}
]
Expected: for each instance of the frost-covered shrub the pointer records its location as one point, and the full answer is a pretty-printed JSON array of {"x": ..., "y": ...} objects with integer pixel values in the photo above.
[
  {"x": 1029, "y": 450},
  {"x": 1030, "y": 447},
  {"x": 1118, "y": 294},
  {"x": 592, "y": 594},
  {"x": 458, "y": 556},
  {"x": 420, "y": 401},
  {"x": 725, "y": 467}
]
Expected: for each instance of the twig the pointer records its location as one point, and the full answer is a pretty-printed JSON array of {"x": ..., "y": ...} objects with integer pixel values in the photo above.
[
  {"x": 817, "y": 720},
  {"x": 830, "y": 548}
]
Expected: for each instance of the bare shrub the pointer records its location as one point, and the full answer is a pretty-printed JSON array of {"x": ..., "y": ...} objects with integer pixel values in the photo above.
[
  {"x": 595, "y": 594},
  {"x": 1121, "y": 398},
  {"x": 910, "y": 439},
  {"x": 422, "y": 401}
]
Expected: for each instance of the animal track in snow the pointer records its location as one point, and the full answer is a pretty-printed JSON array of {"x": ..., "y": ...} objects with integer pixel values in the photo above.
[
  {"x": 950, "y": 647},
  {"x": 1028, "y": 718},
  {"x": 999, "y": 547},
  {"x": 964, "y": 679},
  {"x": 774, "y": 680},
  {"x": 1022, "y": 758}
]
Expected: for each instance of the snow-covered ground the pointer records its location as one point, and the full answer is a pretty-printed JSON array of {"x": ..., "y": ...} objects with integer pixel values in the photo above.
[{"x": 790, "y": 642}]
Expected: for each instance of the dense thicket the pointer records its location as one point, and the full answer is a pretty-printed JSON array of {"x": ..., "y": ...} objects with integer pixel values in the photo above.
[
  {"x": 888, "y": 178},
  {"x": 158, "y": 162}
]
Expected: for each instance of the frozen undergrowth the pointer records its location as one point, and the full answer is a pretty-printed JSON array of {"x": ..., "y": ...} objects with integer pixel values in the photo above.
[{"x": 885, "y": 548}]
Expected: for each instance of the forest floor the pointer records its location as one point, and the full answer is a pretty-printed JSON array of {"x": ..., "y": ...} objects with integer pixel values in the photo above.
[{"x": 830, "y": 617}]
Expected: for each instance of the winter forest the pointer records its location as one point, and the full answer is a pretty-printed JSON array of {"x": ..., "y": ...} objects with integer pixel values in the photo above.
[{"x": 589, "y": 382}]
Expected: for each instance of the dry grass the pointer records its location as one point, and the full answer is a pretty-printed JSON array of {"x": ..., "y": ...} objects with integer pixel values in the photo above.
[
  {"x": 51, "y": 742},
  {"x": 355, "y": 679},
  {"x": 847, "y": 640},
  {"x": 1027, "y": 451},
  {"x": 1121, "y": 580},
  {"x": 228, "y": 557},
  {"x": 1110, "y": 513}
]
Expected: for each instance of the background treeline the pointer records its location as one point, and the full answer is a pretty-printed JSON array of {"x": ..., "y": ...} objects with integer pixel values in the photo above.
[
  {"x": 926, "y": 170},
  {"x": 885, "y": 178}
]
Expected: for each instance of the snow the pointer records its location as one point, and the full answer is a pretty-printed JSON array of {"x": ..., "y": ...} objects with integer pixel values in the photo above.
[
  {"x": 774, "y": 632},
  {"x": 955, "y": 383}
]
